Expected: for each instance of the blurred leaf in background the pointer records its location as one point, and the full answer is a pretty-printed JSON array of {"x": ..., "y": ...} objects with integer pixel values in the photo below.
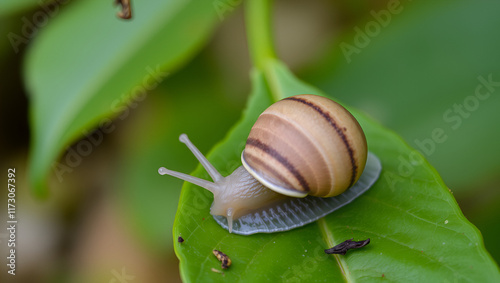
[
  {"x": 86, "y": 65},
  {"x": 13, "y": 6}
]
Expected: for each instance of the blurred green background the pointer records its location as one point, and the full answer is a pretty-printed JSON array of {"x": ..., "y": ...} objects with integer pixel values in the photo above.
[{"x": 414, "y": 68}]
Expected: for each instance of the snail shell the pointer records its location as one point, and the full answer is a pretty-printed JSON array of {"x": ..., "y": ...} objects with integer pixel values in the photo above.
[
  {"x": 306, "y": 145},
  {"x": 301, "y": 156}
]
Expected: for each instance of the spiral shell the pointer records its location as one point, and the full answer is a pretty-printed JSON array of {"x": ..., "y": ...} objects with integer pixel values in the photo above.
[{"x": 306, "y": 145}]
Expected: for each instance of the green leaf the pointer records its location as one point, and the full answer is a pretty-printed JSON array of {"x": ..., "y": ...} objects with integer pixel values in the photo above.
[
  {"x": 417, "y": 230},
  {"x": 419, "y": 75},
  {"x": 87, "y": 64}
]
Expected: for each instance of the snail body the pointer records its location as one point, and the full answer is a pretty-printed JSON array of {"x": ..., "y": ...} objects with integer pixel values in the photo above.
[{"x": 301, "y": 156}]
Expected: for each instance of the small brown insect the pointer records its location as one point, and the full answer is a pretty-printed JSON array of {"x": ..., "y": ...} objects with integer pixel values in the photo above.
[
  {"x": 343, "y": 247},
  {"x": 222, "y": 257},
  {"x": 180, "y": 239},
  {"x": 126, "y": 12}
]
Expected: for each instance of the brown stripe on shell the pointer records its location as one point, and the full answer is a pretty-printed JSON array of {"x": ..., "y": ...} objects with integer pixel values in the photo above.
[
  {"x": 281, "y": 159},
  {"x": 252, "y": 159},
  {"x": 337, "y": 129}
]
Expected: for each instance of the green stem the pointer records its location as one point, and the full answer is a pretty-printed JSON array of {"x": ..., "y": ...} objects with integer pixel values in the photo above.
[
  {"x": 260, "y": 43},
  {"x": 258, "y": 21}
]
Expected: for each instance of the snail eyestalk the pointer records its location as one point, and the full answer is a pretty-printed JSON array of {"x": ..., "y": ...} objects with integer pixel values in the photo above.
[
  {"x": 216, "y": 176},
  {"x": 188, "y": 178}
]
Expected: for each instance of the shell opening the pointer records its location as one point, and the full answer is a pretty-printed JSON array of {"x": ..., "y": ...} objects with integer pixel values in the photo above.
[{"x": 271, "y": 185}]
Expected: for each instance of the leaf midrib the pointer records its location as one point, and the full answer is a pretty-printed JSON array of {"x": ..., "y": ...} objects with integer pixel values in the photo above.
[{"x": 330, "y": 242}]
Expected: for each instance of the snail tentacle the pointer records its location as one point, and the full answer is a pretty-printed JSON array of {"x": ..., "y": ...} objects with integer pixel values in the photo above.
[
  {"x": 213, "y": 187},
  {"x": 216, "y": 176},
  {"x": 229, "y": 217}
]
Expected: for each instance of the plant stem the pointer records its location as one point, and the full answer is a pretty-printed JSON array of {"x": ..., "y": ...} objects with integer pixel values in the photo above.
[{"x": 258, "y": 21}]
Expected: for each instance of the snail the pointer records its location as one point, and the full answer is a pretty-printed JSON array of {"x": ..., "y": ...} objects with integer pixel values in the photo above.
[{"x": 305, "y": 157}]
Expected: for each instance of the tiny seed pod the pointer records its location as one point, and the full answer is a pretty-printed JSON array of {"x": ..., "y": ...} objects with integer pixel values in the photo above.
[{"x": 305, "y": 157}]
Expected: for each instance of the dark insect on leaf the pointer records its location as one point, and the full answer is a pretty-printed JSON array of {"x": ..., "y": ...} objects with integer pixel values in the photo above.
[
  {"x": 126, "y": 12},
  {"x": 222, "y": 257},
  {"x": 180, "y": 239},
  {"x": 343, "y": 247}
]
